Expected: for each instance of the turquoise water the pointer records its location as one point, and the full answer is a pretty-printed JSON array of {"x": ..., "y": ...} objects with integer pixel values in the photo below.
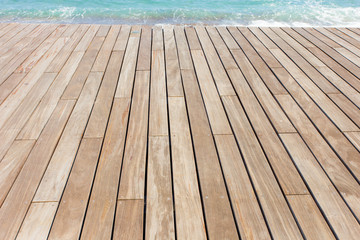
[{"x": 237, "y": 12}]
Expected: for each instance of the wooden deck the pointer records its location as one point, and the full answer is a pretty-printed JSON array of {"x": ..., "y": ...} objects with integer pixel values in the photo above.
[{"x": 139, "y": 132}]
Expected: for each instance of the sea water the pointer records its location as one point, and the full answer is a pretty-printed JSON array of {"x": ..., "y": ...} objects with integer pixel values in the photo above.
[{"x": 234, "y": 12}]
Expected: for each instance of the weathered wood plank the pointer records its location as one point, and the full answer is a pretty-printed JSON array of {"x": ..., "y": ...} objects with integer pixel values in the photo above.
[
  {"x": 11, "y": 165},
  {"x": 218, "y": 215},
  {"x": 72, "y": 207},
  {"x": 19, "y": 198},
  {"x": 334, "y": 208},
  {"x": 101, "y": 209},
  {"x": 159, "y": 202},
  {"x": 54, "y": 179},
  {"x": 189, "y": 215},
  {"x": 270, "y": 196},
  {"x": 132, "y": 183}
]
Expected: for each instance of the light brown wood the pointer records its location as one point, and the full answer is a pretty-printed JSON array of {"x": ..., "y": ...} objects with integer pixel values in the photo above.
[
  {"x": 104, "y": 99},
  {"x": 219, "y": 219},
  {"x": 159, "y": 207},
  {"x": 11, "y": 165},
  {"x": 127, "y": 74},
  {"x": 101, "y": 209},
  {"x": 215, "y": 111},
  {"x": 189, "y": 215},
  {"x": 54, "y": 179},
  {"x": 250, "y": 220},
  {"x": 354, "y": 137},
  {"x": 173, "y": 76},
  {"x": 129, "y": 220},
  {"x": 40, "y": 214},
  {"x": 218, "y": 72},
  {"x": 72, "y": 207},
  {"x": 78, "y": 79},
  {"x": 132, "y": 185},
  {"x": 270, "y": 196},
  {"x": 334, "y": 208},
  {"x": 17, "y": 120},
  {"x": 281, "y": 163},
  {"x": 309, "y": 217},
  {"x": 43, "y": 111},
  {"x": 179, "y": 132},
  {"x": 104, "y": 54},
  {"x": 344, "y": 181},
  {"x": 20, "y": 195}
]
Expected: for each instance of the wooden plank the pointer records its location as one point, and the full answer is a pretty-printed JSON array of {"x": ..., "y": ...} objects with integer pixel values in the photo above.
[
  {"x": 333, "y": 112},
  {"x": 257, "y": 44},
  {"x": 309, "y": 217},
  {"x": 57, "y": 64},
  {"x": 222, "y": 50},
  {"x": 354, "y": 137},
  {"x": 43, "y": 111},
  {"x": 331, "y": 63},
  {"x": 218, "y": 215},
  {"x": 340, "y": 45},
  {"x": 88, "y": 38},
  {"x": 286, "y": 173},
  {"x": 102, "y": 106},
  {"x": 101, "y": 209},
  {"x": 129, "y": 220},
  {"x": 192, "y": 38},
  {"x": 158, "y": 125},
  {"x": 143, "y": 63},
  {"x": 127, "y": 74},
  {"x": 347, "y": 34},
  {"x": 54, "y": 179},
  {"x": 11, "y": 165},
  {"x": 218, "y": 72},
  {"x": 214, "y": 108},
  {"x": 159, "y": 204},
  {"x": 21, "y": 91},
  {"x": 11, "y": 36},
  {"x": 350, "y": 109},
  {"x": 269, "y": 193},
  {"x": 173, "y": 75},
  {"x": 302, "y": 50},
  {"x": 36, "y": 55},
  {"x": 17, "y": 120},
  {"x": 78, "y": 79},
  {"x": 6, "y": 47},
  {"x": 132, "y": 183},
  {"x": 189, "y": 215},
  {"x": 183, "y": 48},
  {"x": 341, "y": 39},
  {"x": 344, "y": 181},
  {"x": 104, "y": 54},
  {"x": 37, "y": 221},
  {"x": 9, "y": 85},
  {"x": 103, "y": 30},
  {"x": 308, "y": 34},
  {"x": 276, "y": 115},
  {"x": 302, "y": 64},
  {"x": 121, "y": 42},
  {"x": 17, "y": 54},
  {"x": 323, "y": 124},
  {"x": 334, "y": 208},
  {"x": 264, "y": 96},
  {"x": 250, "y": 220},
  {"x": 19, "y": 198},
  {"x": 72, "y": 208}
]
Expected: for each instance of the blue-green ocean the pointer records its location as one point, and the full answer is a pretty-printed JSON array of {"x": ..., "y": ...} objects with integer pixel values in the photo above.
[{"x": 235, "y": 12}]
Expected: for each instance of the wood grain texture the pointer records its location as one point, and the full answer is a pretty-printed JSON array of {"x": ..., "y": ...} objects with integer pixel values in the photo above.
[{"x": 179, "y": 132}]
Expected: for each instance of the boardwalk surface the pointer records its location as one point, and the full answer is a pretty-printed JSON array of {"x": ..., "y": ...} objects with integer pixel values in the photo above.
[{"x": 133, "y": 132}]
